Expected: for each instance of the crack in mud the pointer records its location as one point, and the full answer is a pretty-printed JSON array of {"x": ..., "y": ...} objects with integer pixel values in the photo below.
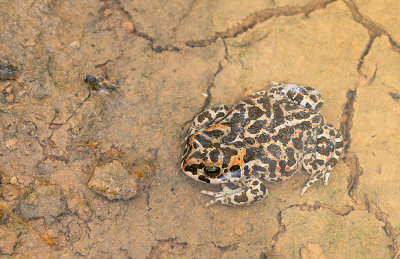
[
  {"x": 346, "y": 125},
  {"x": 395, "y": 96},
  {"x": 48, "y": 144},
  {"x": 374, "y": 29},
  {"x": 356, "y": 171},
  {"x": 125, "y": 251},
  {"x": 103, "y": 66},
  {"x": 261, "y": 16},
  {"x": 281, "y": 229},
  {"x": 365, "y": 52},
  {"x": 347, "y": 118},
  {"x": 56, "y": 126},
  {"x": 77, "y": 107},
  {"x": 119, "y": 6},
  {"x": 211, "y": 81},
  {"x": 342, "y": 211},
  {"x": 211, "y": 84},
  {"x": 227, "y": 55},
  {"x": 184, "y": 16},
  {"x": 380, "y": 215},
  {"x": 147, "y": 189},
  {"x": 46, "y": 151},
  {"x": 223, "y": 249}
]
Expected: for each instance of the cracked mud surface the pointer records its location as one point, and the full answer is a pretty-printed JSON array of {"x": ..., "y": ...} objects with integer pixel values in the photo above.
[{"x": 168, "y": 61}]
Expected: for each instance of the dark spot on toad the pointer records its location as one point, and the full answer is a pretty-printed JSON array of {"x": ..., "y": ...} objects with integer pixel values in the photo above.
[
  {"x": 228, "y": 139},
  {"x": 254, "y": 113},
  {"x": 204, "y": 115},
  {"x": 227, "y": 154},
  {"x": 214, "y": 133},
  {"x": 263, "y": 138},
  {"x": 204, "y": 179},
  {"x": 263, "y": 188},
  {"x": 275, "y": 150},
  {"x": 258, "y": 168},
  {"x": 241, "y": 198},
  {"x": 192, "y": 169},
  {"x": 284, "y": 135},
  {"x": 256, "y": 127},
  {"x": 198, "y": 155},
  {"x": 236, "y": 118},
  {"x": 214, "y": 155},
  {"x": 249, "y": 141},
  {"x": 205, "y": 142},
  {"x": 234, "y": 168}
]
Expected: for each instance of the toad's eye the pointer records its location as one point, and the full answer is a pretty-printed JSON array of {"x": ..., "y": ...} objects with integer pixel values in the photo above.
[{"x": 212, "y": 171}]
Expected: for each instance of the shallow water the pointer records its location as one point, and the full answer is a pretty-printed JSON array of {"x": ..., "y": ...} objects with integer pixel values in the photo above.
[{"x": 163, "y": 64}]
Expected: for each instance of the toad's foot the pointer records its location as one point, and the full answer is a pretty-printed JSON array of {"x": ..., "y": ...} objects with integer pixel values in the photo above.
[
  {"x": 247, "y": 193},
  {"x": 313, "y": 179},
  {"x": 324, "y": 175},
  {"x": 222, "y": 195},
  {"x": 302, "y": 95},
  {"x": 328, "y": 149}
]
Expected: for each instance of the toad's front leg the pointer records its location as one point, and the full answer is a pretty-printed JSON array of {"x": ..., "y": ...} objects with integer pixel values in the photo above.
[{"x": 250, "y": 190}]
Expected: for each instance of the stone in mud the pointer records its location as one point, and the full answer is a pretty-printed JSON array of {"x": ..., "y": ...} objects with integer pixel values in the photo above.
[
  {"x": 113, "y": 181},
  {"x": 312, "y": 251},
  {"x": 46, "y": 201}
]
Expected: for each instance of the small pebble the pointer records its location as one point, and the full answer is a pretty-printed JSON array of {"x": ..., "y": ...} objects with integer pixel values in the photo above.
[
  {"x": 9, "y": 98},
  {"x": 107, "y": 12},
  {"x": 128, "y": 26},
  {"x": 11, "y": 144},
  {"x": 13, "y": 180},
  {"x": 75, "y": 44},
  {"x": 8, "y": 90}
]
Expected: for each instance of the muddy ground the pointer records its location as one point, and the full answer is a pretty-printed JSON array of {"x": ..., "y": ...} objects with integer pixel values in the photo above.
[{"x": 163, "y": 62}]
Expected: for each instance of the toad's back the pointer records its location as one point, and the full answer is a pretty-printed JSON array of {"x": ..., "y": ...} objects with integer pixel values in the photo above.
[{"x": 261, "y": 133}]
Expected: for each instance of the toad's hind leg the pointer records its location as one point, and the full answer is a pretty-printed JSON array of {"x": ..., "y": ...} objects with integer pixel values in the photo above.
[
  {"x": 250, "y": 190},
  {"x": 206, "y": 117},
  {"x": 322, "y": 155},
  {"x": 302, "y": 95}
]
